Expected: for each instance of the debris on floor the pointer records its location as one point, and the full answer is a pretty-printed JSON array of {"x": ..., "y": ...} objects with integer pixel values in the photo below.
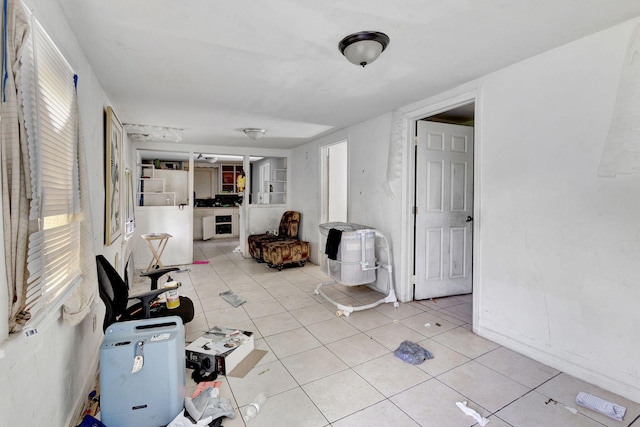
[
  {"x": 222, "y": 351},
  {"x": 574, "y": 411},
  {"x": 203, "y": 385},
  {"x": 412, "y": 353},
  {"x": 182, "y": 421},
  {"x": 254, "y": 407},
  {"x": 597, "y": 404},
  {"x": 476, "y": 416},
  {"x": 208, "y": 405},
  {"x": 232, "y": 298},
  {"x": 89, "y": 421}
]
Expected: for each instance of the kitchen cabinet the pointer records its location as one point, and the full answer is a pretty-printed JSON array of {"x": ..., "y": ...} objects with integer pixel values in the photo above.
[
  {"x": 215, "y": 223},
  {"x": 206, "y": 182},
  {"x": 228, "y": 177}
]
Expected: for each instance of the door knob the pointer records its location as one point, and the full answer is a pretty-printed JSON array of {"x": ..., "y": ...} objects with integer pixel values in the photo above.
[{"x": 469, "y": 219}]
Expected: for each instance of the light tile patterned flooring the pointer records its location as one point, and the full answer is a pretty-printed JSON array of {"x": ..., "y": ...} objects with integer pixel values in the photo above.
[{"x": 325, "y": 370}]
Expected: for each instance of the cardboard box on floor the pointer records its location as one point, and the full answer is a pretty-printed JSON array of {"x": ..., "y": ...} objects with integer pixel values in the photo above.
[{"x": 231, "y": 351}]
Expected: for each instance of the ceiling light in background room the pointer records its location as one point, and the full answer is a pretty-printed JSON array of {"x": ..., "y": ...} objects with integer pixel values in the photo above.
[
  {"x": 364, "y": 47},
  {"x": 255, "y": 133},
  {"x": 206, "y": 158}
]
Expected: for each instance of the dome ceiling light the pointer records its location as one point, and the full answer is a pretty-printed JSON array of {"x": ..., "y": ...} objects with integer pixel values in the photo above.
[
  {"x": 255, "y": 133},
  {"x": 364, "y": 47}
]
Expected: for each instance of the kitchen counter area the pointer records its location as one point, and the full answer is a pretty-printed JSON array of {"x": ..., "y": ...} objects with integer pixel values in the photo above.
[{"x": 215, "y": 222}]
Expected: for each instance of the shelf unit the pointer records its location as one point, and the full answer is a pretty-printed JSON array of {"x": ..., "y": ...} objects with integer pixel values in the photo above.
[
  {"x": 278, "y": 186},
  {"x": 151, "y": 191}
]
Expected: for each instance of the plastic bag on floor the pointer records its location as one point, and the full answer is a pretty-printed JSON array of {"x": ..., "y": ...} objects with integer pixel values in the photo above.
[
  {"x": 182, "y": 421},
  {"x": 208, "y": 404},
  {"x": 412, "y": 353},
  {"x": 232, "y": 298}
]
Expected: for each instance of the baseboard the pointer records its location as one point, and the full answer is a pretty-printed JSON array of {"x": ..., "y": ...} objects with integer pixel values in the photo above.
[{"x": 566, "y": 366}]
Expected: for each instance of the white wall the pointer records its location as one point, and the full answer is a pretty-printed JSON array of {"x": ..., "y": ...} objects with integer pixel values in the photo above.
[
  {"x": 46, "y": 378},
  {"x": 173, "y": 220},
  {"x": 557, "y": 247},
  {"x": 560, "y": 246}
]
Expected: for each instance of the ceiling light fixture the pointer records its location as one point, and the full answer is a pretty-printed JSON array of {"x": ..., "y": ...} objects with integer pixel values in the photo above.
[
  {"x": 364, "y": 47},
  {"x": 206, "y": 158},
  {"x": 254, "y": 133}
]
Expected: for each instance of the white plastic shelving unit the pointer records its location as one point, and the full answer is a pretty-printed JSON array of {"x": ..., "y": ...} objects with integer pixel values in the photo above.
[{"x": 151, "y": 190}]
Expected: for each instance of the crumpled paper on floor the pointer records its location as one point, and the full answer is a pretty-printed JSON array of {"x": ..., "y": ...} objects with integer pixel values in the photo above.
[
  {"x": 476, "y": 416},
  {"x": 597, "y": 404}
]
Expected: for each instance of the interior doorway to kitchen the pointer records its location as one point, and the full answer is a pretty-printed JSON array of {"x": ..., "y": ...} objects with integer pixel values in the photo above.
[{"x": 335, "y": 182}]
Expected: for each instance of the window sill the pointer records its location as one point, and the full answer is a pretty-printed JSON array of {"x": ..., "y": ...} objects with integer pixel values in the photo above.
[{"x": 38, "y": 325}]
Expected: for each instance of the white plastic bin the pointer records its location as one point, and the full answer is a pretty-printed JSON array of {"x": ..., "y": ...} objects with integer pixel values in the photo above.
[{"x": 355, "y": 263}]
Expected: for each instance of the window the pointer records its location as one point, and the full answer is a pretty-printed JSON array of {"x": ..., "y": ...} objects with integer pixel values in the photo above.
[{"x": 49, "y": 101}]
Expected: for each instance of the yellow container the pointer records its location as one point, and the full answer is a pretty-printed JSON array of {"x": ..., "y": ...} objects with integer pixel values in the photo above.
[{"x": 173, "y": 300}]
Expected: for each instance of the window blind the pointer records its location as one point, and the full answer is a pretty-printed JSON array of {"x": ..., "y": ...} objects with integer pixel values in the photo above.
[{"x": 50, "y": 120}]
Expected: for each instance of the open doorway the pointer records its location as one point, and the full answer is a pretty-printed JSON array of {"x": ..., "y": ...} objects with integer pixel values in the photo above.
[
  {"x": 334, "y": 179},
  {"x": 443, "y": 234}
]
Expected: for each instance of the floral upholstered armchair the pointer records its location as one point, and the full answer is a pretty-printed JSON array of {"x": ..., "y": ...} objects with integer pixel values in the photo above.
[{"x": 287, "y": 230}]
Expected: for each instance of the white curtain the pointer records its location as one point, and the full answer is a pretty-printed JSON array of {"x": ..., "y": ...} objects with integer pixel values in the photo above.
[
  {"x": 17, "y": 185},
  {"x": 397, "y": 137},
  {"x": 78, "y": 305},
  {"x": 14, "y": 158}
]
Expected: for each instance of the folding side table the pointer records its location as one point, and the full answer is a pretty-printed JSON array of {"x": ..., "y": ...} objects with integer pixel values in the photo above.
[{"x": 161, "y": 240}]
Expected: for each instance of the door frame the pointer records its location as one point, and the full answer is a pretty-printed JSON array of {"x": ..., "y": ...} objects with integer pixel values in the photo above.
[{"x": 409, "y": 189}]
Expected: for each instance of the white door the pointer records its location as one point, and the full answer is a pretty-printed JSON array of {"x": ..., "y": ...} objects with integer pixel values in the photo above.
[
  {"x": 444, "y": 200},
  {"x": 208, "y": 227}
]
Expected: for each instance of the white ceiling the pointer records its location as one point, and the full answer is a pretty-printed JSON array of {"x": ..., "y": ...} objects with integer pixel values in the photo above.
[{"x": 213, "y": 68}]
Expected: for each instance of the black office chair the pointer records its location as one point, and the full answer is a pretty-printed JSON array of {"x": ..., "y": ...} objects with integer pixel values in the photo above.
[{"x": 115, "y": 295}]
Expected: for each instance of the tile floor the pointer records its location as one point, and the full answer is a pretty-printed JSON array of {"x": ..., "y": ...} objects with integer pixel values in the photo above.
[{"x": 324, "y": 370}]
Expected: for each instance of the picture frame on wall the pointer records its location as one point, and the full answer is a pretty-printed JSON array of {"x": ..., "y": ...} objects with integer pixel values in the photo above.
[
  {"x": 130, "y": 219},
  {"x": 114, "y": 138}
]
